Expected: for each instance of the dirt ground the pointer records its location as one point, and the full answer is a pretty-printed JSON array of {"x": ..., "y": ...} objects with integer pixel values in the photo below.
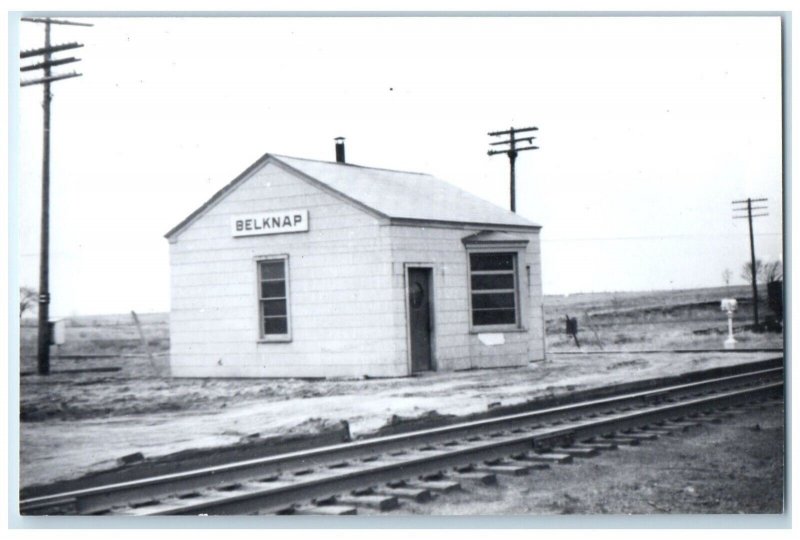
[
  {"x": 674, "y": 475},
  {"x": 105, "y": 398},
  {"x": 73, "y": 423}
]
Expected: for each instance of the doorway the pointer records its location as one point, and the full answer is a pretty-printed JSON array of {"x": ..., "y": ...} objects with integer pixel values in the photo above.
[{"x": 419, "y": 318}]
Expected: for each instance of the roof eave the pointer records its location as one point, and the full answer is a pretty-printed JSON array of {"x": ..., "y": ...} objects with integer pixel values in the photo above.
[
  {"x": 218, "y": 196},
  {"x": 261, "y": 162},
  {"x": 171, "y": 235},
  {"x": 420, "y": 222}
]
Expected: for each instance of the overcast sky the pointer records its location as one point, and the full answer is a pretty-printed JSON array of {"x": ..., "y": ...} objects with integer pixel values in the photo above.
[{"x": 648, "y": 128}]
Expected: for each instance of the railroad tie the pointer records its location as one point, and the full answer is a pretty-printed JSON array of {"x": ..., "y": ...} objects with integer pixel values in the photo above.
[
  {"x": 659, "y": 431},
  {"x": 378, "y": 502},
  {"x": 620, "y": 440},
  {"x": 415, "y": 494},
  {"x": 533, "y": 465},
  {"x": 591, "y": 443},
  {"x": 680, "y": 424},
  {"x": 579, "y": 451},
  {"x": 499, "y": 466},
  {"x": 325, "y": 510},
  {"x": 550, "y": 457},
  {"x": 254, "y": 484},
  {"x": 476, "y": 477},
  {"x": 716, "y": 417},
  {"x": 640, "y": 435},
  {"x": 739, "y": 409},
  {"x": 439, "y": 486}
]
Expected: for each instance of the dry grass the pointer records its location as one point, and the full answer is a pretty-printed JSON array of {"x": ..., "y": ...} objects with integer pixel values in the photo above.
[
  {"x": 658, "y": 320},
  {"x": 114, "y": 337},
  {"x": 630, "y": 321}
]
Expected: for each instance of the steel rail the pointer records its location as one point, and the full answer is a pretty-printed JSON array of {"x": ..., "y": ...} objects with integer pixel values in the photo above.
[
  {"x": 102, "y": 497},
  {"x": 267, "y": 499}
]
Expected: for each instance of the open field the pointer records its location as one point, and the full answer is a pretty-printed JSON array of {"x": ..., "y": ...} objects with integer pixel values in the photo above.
[
  {"x": 657, "y": 320},
  {"x": 628, "y": 321},
  {"x": 105, "y": 398},
  {"x": 113, "y": 340}
]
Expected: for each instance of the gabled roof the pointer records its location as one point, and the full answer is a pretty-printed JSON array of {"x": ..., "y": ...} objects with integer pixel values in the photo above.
[{"x": 402, "y": 197}]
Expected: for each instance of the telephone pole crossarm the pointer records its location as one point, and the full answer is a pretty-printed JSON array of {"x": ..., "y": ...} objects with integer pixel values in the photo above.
[
  {"x": 524, "y": 139},
  {"x": 495, "y": 152},
  {"x": 47, "y": 80},
  {"x": 748, "y": 201},
  {"x": 512, "y": 130},
  {"x": 48, "y": 50},
  {"x": 48, "y": 20},
  {"x": 51, "y": 63},
  {"x": 512, "y": 151}
]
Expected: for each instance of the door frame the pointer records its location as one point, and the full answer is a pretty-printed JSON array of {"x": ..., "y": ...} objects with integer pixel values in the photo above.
[{"x": 431, "y": 306}]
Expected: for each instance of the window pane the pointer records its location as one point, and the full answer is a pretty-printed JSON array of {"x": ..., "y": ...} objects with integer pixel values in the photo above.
[
  {"x": 272, "y": 270},
  {"x": 273, "y": 307},
  {"x": 492, "y": 282},
  {"x": 491, "y": 261},
  {"x": 273, "y": 289},
  {"x": 493, "y": 300},
  {"x": 275, "y": 325},
  {"x": 493, "y": 316}
]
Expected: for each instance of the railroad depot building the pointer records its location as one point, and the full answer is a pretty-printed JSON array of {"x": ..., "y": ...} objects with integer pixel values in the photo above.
[{"x": 303, "y": 268}]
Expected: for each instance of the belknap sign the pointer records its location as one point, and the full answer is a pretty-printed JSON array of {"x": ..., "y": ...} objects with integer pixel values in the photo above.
[{"x": 287, "y": 221}]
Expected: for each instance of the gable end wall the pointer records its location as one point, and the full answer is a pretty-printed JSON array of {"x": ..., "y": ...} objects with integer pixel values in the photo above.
[{"x": 342, "y": 316}]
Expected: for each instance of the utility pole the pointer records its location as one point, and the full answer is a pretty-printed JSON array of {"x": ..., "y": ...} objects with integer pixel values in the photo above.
[
  {"x": 511, "y": 151},
  {"x": 742, "y": 206},
  {"x": 43, "y": 358}
]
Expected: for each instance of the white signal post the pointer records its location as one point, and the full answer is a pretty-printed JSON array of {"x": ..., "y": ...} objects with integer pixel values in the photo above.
[{"x": 729, "y": 305}]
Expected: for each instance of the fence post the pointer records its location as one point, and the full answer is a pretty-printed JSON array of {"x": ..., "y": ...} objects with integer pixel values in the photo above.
[{"x": 144, "y": 342}]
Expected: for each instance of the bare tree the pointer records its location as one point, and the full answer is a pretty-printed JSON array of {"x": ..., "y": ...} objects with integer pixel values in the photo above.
[
  {"x": 726, "y": 276},
  {"x": 747, "y": 270},
  {"x": 27, "y": 300},
  {"x": 773, "y": 271}
]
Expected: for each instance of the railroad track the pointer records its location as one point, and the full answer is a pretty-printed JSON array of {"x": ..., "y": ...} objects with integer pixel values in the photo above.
[{"x": 380, "y": 472}]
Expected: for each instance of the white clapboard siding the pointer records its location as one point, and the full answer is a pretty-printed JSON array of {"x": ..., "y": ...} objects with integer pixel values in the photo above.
[
  {"x": 347, "y": 301},
  {"x": 454, "y": 346},
  {"x": 342, "y": 317}
]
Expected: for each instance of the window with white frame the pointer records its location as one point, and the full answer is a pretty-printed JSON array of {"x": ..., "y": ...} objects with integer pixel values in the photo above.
[
  {"x": 273, "y": 298},
  {"x": 493, "y": 286}
]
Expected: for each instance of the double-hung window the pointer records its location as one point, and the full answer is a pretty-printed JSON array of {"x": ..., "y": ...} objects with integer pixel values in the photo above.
[
  {"x": 494, "y": 286},
  {"x": 273, "y": 299}
]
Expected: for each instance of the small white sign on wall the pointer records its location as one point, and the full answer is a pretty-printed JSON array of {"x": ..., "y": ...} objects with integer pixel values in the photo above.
[
  {"x": 286, "y": 221},
  {"x": 492, "y": 339}
]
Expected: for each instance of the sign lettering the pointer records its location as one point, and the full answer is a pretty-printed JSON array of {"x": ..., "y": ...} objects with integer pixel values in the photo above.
[{"x": 286, "y": 221}]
